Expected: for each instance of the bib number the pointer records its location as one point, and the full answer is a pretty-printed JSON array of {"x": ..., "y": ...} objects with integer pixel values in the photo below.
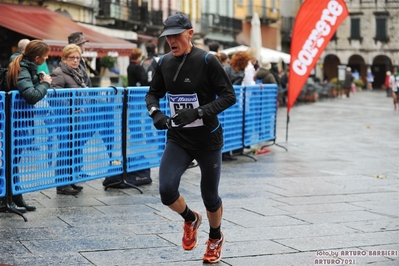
[{"x": 184, "y": 101}]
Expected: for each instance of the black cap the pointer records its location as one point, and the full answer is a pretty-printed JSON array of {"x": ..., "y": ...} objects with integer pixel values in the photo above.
[{"x": 176, "y": 24}]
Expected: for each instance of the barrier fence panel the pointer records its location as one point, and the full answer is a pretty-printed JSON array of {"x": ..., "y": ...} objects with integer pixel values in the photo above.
[
  {"x": 2, "y": 145},
  {"x": 70, "y": 136},
  {"x": 260, "y": 113},
  {"x": 75, "y": 135},
  {"x": 145, "y": 144},
  {"x": 231, "y": 120}
]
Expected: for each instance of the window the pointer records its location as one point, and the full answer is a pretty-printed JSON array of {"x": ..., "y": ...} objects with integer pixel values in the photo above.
[
  {"x": 355, "y": 29},
  {"x": 381, "y": 29},
  {"x": 240, "y": 3},
  {"x": 250, "y": 7}
]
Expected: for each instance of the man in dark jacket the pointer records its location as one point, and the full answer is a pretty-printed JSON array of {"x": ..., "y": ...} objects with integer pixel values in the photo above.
[
  {"x": 78, "y": 39},
  {"x": 198, "y": 90}
]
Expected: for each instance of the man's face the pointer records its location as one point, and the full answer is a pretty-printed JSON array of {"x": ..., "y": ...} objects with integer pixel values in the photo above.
[{"x": 180, "y": 43}]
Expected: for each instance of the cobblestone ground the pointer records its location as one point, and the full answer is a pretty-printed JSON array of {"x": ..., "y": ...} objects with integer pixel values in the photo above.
[{"x": 332, "y": 198}]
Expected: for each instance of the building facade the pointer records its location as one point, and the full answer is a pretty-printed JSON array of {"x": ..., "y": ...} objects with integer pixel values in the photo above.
[
  {"x": 367, "y": 39},
  {"x": 269, "y": 15}
]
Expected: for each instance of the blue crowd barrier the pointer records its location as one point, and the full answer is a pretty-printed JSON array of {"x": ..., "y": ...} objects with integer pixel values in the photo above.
[
  {"x": 260, "y": 114},
  {"x": 72, "y": 135},
  {"x": 231, "y": 120},
  {"x": 145, "y": 144},
  {"x": 2, "y": 144},
  {"x": 76, "y": 135}
]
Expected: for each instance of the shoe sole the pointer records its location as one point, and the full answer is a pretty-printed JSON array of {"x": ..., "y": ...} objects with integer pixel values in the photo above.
[
  {"x": 221, "y": 253},
  {"x": 199, "y": 217}
]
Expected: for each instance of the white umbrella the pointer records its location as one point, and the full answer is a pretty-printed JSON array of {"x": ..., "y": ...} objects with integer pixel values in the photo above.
[
  {"x": 256, "y": 37},
  {"x": 271, "y": 55}
]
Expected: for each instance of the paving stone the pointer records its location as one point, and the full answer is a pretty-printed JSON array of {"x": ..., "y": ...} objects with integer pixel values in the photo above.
[
  {"x": 320, "y": 195},
  {"x": 320, "y": 208},
  {"x": 319, "y": 199},
  {"x": 20, "y": 234},
  {"x": 380, "y": 225},
  {"x": 95, "y": 243},
  {"x": 342, "y": 241},
  {"x": 337, "y": 217},
  {"x": 288, "y": 232},
  {"x": 45, "y": 258},
  {"x": 249, "y": 219},
  {"x": 290, "y": 259}
]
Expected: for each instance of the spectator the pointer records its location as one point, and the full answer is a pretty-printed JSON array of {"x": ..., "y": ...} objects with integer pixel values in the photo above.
[
  {"x": 136, "y": 75},
  {"x": 223, "y": 59},
  {"x": 23, "y": 76},
  {"x": 150, "y": 63},
  {"x": 394, "y": 87},
  {"x": 370, "y": 79},
  {"x": 213, "y": 47},
  {"x": 284, "y": 85},
  {"x": 21, "y": 48},
  {"x": 388, "y": 83},
  {"x": 356, "y": 75},
  {"x": 236, "y": 69},
  {"x": 69, "y": 74},
  {"x": 264, "y": 73},
  {"x": 249, "y": 77},
  {"x": 348, "y": 82},
  {"x": 236, "y": 72},
  {"x": 78, "y": 39}
]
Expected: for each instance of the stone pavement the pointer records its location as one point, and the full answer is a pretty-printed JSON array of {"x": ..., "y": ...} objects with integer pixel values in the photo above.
[{"x": 319, "y": 203}]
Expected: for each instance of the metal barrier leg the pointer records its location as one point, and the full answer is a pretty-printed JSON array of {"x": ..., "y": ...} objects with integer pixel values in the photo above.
[
  {"x": 246, "y": 155},
  {"x": 242, "y": 153},
  {"x": 123, "y": 181},
  {"x": 9, "y": 208},
  {"x": 274, "y": 143}
]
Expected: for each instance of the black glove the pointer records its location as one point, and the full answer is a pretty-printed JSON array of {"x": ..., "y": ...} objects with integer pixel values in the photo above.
[
  {"x": 161, "y": 121},
  {"x": 185, "y": 116}
]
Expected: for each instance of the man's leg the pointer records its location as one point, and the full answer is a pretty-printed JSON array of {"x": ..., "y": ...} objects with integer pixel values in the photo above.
[
  {"x": 175, "y": 161},
  {"x": 210, "y": 165}
]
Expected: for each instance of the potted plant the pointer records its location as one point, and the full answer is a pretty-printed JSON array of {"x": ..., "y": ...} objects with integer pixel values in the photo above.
[{"x": 106, "y": 62}]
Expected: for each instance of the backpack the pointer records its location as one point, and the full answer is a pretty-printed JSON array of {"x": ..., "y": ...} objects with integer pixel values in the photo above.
[
  {"x": 149, "y": 65},
  {"x": 3, "y": 79}
]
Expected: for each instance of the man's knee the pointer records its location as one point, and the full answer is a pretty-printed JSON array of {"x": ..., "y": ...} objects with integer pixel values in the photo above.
[
  {"x": 168, "y": 196},
  {"x": 212, "y": 204}
]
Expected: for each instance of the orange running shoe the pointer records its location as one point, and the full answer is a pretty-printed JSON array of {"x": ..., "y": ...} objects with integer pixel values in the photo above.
[
  {"x": 190, "y": 235},
  {"x": 213, "y": 251}
]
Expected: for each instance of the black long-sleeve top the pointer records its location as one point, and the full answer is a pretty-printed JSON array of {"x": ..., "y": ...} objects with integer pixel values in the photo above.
[{"x": 197, "y": 72}]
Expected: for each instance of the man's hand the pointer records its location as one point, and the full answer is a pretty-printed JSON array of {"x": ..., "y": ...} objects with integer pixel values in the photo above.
[
  {"x": 185, "y": 116},
  {"x": 161, "y": 121}
]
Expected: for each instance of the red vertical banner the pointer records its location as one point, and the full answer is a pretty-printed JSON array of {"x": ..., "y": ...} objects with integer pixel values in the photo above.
[{"x": 315, "y": 25}]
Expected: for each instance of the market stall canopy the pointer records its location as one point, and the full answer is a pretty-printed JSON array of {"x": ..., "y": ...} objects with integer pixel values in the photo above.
[
  {"x": 272, "y": 55},
  {"x": 53, "y": 28}
]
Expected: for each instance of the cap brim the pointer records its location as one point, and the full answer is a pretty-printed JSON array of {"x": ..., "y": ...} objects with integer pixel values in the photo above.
[
  {"x": 172, "y": 31},
  {"x": 79, "y": 43}
]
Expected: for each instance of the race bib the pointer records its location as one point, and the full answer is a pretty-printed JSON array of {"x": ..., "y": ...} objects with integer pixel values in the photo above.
[{"x": 182, "y": 101}]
